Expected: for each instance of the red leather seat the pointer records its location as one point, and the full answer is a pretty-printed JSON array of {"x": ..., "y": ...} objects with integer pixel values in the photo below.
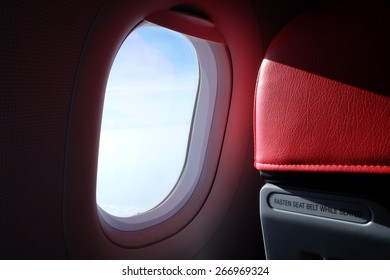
[{"x": 322, "y": 113}]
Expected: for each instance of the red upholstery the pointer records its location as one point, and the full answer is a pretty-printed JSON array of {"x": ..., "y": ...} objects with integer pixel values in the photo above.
[{"x": 323, "y": 98}]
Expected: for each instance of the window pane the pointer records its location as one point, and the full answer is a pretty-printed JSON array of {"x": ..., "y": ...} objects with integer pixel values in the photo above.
[{"x": 147, "y": 115}]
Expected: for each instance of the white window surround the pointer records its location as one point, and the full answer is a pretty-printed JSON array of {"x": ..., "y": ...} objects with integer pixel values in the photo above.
[
  {"x": 87, "y": 234},
  {"x": 198, "y": 143}
]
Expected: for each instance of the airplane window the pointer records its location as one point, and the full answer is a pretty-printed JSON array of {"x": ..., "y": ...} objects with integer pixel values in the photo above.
[{"x": 148, "y": 111}]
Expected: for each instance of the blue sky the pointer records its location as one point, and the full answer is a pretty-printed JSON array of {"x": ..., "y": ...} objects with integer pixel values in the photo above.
[{"x": 147, "y": 114}]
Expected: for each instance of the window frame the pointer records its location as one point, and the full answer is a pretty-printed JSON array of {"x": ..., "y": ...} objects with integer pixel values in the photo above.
[
  {"x": 196, "y": 148},
  {"x": 206, "y": 138}
]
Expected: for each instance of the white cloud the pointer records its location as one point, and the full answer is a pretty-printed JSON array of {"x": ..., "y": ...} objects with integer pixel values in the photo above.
[{"x": 147, "y": 116}]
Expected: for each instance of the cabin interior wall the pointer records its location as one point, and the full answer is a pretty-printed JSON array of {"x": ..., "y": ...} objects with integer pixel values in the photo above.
[
  {"x": 40, "y": 46},
  {"x": 41, "y": 43}
]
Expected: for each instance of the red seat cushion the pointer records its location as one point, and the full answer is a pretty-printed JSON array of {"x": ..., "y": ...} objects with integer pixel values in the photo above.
[{"x": 323, "y": 98}]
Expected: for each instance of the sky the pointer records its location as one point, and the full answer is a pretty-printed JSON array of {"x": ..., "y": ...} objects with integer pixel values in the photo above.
[{"x": 147, "y": 114}]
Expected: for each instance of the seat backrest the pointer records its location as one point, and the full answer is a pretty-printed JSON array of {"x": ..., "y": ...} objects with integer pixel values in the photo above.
[
  {"x": 323, "y": 94},
  {"x": 322, "y": 113}
]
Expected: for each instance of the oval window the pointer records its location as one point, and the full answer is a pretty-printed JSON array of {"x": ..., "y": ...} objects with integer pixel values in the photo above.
[{"x": 147, "y": 118}]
